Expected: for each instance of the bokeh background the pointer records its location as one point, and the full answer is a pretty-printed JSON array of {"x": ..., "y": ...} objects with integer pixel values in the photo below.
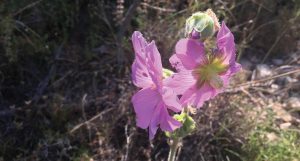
[{"x": 65, "y": 85}]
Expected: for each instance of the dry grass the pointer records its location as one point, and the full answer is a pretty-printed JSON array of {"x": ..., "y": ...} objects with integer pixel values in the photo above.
[{"x": 64, "y": 97}]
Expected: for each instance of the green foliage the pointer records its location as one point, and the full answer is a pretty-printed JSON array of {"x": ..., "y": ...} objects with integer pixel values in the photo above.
[
  {"x": 32, "y": 30},
  {"x": 285, "y": 147},
  {"x": 269, "y": 143}
]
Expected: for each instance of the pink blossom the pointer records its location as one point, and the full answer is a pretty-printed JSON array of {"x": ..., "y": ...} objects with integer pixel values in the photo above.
[
  {"x": 152, "y": 102},
  {"x": 202, "y": 76}
]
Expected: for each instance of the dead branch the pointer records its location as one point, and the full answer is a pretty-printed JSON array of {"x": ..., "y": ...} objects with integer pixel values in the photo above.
[
  {"x": 122, "y": 29},
  {"x": 257, "y": 82},
  {"x": 158, "y": 8},
  {"x": 43, "y": 84},
  {"x": 27, "y": 7},
  {"x": 90, "y": 120}
]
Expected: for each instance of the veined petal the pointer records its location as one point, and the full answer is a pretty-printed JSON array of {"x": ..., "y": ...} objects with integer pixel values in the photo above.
[
  {"x": 144, "y": 103},
  {"x": 139, "y": 43},
  {"x": 181, "y": 81},
  {"x": 196, "y": 97},
  {"x": 234, "y": 68},
  {"x": 140, "y": 75},
  {"x": 176, "y": 63},
  {"x": 168, "y": 123},
  {"x": 191, "y": 52},
  {"x": 226, "y": 45},
  {"x": 170, "y": 99},
  {"x": 154, "y": 64},
  {"x": 182, "y": 62},
  {"x": 154, "y": 123},
  {"x": 162, "y": 119}
]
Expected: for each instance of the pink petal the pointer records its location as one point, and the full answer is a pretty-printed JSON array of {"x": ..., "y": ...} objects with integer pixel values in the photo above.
[
  {"x": 168, "y": 123},
  {"x": 139, "y": 43},
  {"x": 170, "y": 99},
  {"x": 181, "y": 81},
  {"x": 155, "y": 120},
  {"x": 234, "y": 68},
  {"x": 226, "y": 45},
  {"x": 190, "y": 52},
  {"x": 144, "y": 103},
  {"x": 162, "y": 119},
  {"x": 197, "y": 97},
  {"x": 140, "y": 75},
  {"x": 176, "y": 63},
  {"x": 154, "y": 64},
  {"x": 182, "y": 62}
]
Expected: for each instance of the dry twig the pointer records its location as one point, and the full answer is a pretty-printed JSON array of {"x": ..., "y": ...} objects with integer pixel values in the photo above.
[
  {"x": 90, "y": 120},
  {"x": 158, "y": 8},
  {"x": 258, "y": 82}
]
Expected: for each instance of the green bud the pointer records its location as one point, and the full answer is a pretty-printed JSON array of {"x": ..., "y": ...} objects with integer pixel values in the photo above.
[
  {"x": 188, "y": 126},
  {"x": 205, "y": 23},
  {"x": 167, "y": 73}
]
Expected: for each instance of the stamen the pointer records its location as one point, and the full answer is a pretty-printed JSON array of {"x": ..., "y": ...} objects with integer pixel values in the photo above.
[{"x": 210, "y": 72}]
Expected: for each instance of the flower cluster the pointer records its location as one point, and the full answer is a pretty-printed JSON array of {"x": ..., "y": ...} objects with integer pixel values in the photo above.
[{"x": 200, "y": 75}]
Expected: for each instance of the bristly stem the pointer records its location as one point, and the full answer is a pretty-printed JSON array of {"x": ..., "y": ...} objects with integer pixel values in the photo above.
[{"x": 173, "y": 148}]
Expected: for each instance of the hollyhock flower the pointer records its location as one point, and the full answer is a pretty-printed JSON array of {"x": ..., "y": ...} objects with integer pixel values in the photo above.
[
  {"x": 152, "y": 102},
  {"x": 202, "y": 76}
]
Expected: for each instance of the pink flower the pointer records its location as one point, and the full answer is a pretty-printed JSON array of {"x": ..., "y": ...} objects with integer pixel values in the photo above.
[
  {"x": 152, "y": 102},
  {"x": 202, "y": 76}
]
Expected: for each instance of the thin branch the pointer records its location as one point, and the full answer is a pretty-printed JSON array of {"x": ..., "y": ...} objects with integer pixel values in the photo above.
[
  {"x": 44, "y": 83},
  {"x": 158, "y": 8},
  {"x": 90, "y": 120},
  {"x": 274, "y": 44},
  {"x": 250, "y": 83},
  {"x": 27, "y": 7},
  {"x": 122, "y": 29}
]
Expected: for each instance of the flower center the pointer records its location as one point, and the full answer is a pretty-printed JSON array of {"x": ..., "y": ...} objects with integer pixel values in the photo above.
[{"x": 209, "y": 72}]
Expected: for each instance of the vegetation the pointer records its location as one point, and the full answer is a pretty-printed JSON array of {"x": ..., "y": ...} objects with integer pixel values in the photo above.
[{"x": 65, "y": 80}]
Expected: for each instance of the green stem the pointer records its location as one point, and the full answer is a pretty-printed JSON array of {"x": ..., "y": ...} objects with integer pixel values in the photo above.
[{"x": 173, "y": 149}]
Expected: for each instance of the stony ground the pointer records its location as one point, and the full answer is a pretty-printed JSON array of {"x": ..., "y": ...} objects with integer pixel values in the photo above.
[{"x": 64, "y": 95}]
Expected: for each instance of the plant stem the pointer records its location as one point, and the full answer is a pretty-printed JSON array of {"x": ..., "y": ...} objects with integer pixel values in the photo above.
[{"x": 173, "y": 149}]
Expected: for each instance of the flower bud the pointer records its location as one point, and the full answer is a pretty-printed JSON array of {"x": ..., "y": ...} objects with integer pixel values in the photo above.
[
  {"x": 203, "y": 23},
  {"x": 188, "y": 126}
]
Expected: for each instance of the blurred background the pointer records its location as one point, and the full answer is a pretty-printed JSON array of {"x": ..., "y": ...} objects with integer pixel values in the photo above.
[{"x": 65, "y": 85}]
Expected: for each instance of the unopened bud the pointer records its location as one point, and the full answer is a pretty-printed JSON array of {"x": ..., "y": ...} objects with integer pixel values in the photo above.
[
  {"x": 205, "y": 24},
  {"x": 188, "y": 126}
]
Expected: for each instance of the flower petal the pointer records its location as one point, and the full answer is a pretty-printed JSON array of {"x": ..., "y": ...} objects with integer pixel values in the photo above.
[
  {"x": 226, "y": 45},
  {"x": 197, "y": 97},
  {"x": 181, "y": 81},
  {"x": 234, "y": 68},
  {"x": 162, "y": 119},
  {"x": 168, "y": 123},
  {"x": 182, "y": 62},
  {"x": 190, "y": 52},
  {"x": 144, "y": 103},
  {"x": 170, "y": 99},
  {"x": 140, "y": 75},
  {"x": 176, "y": 63},
  {"x": 154, "y": 64},
  {"x": 155, "y": 120},
  {"x": 139, "y": 43}
]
